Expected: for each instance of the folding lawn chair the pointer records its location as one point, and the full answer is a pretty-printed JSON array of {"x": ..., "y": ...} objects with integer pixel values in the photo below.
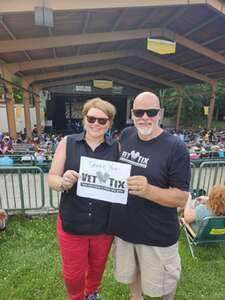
[{"x": 211, "y": 230}]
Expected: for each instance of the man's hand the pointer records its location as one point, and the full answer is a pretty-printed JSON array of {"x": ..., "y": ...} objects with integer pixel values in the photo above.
[{"x": 138, "y": 186}]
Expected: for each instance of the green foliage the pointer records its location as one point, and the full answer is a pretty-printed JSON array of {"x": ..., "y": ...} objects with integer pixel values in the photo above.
[
  {"x": 17, "y": 90},
  {"x": 168, "y": 100},
  {"x": 194, "y": 99},
  {"x": 1, "y": 86},
  {"x": 31, "y": 266}
]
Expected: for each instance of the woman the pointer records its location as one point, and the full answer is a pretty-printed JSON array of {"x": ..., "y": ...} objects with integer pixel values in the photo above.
[
  {"x": 82, "y": 222},
  {"x": 3, "y": 219},
  {"x": 204, "y": 206}
]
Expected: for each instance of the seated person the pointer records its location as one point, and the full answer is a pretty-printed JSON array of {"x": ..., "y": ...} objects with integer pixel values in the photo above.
[
  {"x": 3, "y": 219},
  {"x": 204, "y": 206}
]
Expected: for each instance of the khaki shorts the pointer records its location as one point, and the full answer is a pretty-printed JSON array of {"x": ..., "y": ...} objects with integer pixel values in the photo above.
[{"x": 159, "y": 267}]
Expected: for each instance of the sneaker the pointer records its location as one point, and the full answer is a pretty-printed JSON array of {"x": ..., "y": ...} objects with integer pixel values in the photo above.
[{"x": 94, "y": 296}]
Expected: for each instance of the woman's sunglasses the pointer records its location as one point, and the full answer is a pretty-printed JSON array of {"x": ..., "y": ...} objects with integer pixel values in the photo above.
[
  {"x": 92, "y": 120},
  {"x": 151, "y": 112}
]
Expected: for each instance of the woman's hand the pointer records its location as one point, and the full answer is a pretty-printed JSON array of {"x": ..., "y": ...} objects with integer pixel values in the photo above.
[
  {"x": 69, "y": 178},
  {"x": 202, "y": 199}
]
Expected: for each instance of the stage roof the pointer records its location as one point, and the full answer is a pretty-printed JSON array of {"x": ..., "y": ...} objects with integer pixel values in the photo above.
[{"x": 107, "y": 40}]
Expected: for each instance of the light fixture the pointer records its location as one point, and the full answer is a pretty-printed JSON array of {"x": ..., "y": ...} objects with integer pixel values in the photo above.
[
  {"x": 103, "y": 84},
  {"x": 161, "y": 41},
  {"x": 43, "y": 16},
  {"x": 161, "y": 46}
]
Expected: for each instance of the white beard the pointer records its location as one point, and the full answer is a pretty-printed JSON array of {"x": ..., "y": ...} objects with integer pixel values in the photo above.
[{"x": 144, "y": 130}]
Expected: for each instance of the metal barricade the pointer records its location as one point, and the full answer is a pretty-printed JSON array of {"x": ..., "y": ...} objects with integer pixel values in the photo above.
[
  {"x": 193, "y": 174},
  {"x": 54, "y": 198},
  {"x": 210, "y": 173},
  {"x": 21, "y": 188},
  {"x": 25, "y": 188}
]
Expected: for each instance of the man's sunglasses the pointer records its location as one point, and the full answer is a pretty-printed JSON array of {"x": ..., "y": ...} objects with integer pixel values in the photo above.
[
  {"x": 92, "y": 120},
  {"x": 151, "y": 112}
]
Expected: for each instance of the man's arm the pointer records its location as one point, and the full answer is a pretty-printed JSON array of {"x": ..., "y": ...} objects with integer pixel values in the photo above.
[{"x": 170, "y": 197}]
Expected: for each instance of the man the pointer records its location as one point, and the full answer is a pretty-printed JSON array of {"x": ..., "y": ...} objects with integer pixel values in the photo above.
[{"x": 147, "y": 228}]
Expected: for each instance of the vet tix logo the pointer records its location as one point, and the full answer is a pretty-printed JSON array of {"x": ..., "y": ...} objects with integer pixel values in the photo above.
[{"x": 134, "y": 158}]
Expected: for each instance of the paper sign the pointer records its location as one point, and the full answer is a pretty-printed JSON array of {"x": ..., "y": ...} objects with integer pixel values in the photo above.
[{"x": 103, "y": 180}]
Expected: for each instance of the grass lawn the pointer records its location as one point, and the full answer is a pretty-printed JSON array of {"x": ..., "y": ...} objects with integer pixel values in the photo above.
[{"x": 30, "y": 266}]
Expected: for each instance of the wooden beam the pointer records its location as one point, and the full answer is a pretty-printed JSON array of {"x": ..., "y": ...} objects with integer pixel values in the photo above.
[
  {"x": 128, "y": 83},
  {"x": 95, "y": 69},
  {"x": 177, "y": 68},
  {"x": 118, "y": 20},
  {"x": 104, "y": 56},
  {"x": 169, "y": 20},
  {"x": 68, "y": 73},
  {"x": 37, "y": 105},
  {"x": 217, "y": 5},
  {"x": 130, "y": 34},
  {"x": 147, "y": 76},
  {"x": 94, "y": 76},
  {"x": 11, "y": 34},
  {"x": 13, "y": 6},
  {"x": 93, "y": 38},
  {"x": 214, "y": 39},
  {"x": 84, "y": 29},
  {"x": 201, "y": 25},
  {"x": 26, "y": 109},
  {"x": 53, "y": 50},
  {"x": 68, "y": 81},
  {"x": 69, "y": 60},
  {"x": 9, "y": 101},
  {"x": 189, "y": 44},
  {"x": 114, "y": 26},
  {"x": 148, "y": 18},
  {"x": 71, "y": 40}
]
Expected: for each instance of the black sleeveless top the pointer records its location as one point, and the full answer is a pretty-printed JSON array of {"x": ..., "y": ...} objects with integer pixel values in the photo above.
[{"x": 83, "y": 215}]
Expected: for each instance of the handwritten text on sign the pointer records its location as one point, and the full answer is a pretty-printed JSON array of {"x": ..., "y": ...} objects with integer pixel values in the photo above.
[{"x": 103, "y": 180}]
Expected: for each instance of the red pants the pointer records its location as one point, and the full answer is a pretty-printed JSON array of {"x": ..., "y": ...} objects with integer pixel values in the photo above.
[{"x": 83, "y": 261}]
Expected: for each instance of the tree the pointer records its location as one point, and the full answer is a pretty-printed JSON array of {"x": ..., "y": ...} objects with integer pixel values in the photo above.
[
  {"x": 17, "y": 89},
  {"x": 195, "y": 98}
]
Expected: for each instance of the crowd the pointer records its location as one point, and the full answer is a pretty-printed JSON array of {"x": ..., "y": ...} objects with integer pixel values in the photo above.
[
  {"x": 201, "y": 143},
  {"x": 43, "y": 145}
]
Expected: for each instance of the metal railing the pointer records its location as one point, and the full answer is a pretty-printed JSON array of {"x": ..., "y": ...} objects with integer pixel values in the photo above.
[
  {"x": 209, "y": 174},
  {"x": 22, "y": 188},
  {"x": 25, "y": 188}
]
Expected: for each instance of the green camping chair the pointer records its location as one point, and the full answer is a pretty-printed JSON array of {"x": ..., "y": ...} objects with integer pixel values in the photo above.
[{"x": 211, "y": 230}]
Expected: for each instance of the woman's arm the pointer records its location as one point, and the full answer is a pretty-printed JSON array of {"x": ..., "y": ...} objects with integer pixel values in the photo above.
[
  {"x": 55, "y": 175},
  {"x": 57, "y": 179}
]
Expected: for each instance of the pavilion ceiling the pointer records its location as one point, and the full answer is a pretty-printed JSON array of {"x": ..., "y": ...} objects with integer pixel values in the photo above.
[{"x": 108, "y": 39}]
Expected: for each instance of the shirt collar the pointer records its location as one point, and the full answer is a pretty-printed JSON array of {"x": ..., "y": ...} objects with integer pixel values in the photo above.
[{"x": 81, "y": 137}]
